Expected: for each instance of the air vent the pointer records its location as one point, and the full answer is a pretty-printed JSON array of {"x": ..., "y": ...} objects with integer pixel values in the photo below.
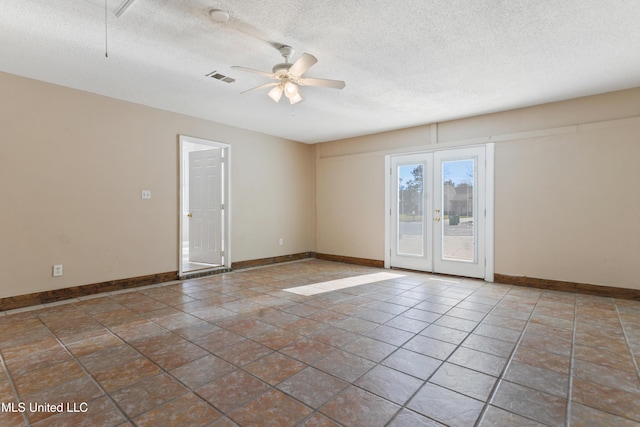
[{"x": 216, "y": 75}]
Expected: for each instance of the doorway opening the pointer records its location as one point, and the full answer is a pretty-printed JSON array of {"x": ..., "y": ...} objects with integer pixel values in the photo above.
[
  {"x": 440, "y": 211},
  {"x": 204, "y": 206}
]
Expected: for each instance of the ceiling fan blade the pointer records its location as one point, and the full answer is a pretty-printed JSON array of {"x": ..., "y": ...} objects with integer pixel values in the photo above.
[
  {"x": 264, "y": 86},
  {"x": 302, "y": 64},
  {"x": 251, "y": 70},
  {"x": 335, "y": 84}
]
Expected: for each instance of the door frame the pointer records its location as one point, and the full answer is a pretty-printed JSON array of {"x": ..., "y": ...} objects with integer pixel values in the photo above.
[
  {"x": 183, "y": 142},
  {"x": 489, "y": 203}
]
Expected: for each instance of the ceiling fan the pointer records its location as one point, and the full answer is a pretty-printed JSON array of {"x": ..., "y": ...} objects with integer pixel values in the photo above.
[{"x": 289, "y": 77}]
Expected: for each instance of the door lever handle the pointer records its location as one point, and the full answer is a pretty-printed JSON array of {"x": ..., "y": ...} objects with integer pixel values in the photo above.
[{"x": 190, "y": 215}]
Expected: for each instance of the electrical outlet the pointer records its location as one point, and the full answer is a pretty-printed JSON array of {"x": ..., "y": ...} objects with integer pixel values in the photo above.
[
  {"x": 146, "y": 194},
  {"x": 281, "y": 241},
  {"x": 57, "y": 270}
]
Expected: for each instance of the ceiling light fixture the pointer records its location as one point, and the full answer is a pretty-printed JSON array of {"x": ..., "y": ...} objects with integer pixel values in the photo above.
[
  {"x": 289, "y": 77},
  {"x": 276, "y": 93},
  {"x": 291, "y": 91},
  {"x": 286, "y": 87}
]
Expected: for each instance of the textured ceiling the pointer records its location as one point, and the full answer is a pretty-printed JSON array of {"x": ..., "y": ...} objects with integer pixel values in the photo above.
[{"x": 405, "y": 63}]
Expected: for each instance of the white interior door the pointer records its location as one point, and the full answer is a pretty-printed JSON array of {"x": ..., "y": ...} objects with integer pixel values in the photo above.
[
  {"x": 438, "y": 204},
  {"x": 205, "y": 206}
]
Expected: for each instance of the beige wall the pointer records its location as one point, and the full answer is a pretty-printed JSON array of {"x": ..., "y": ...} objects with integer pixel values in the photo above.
[
  {"x": 566, "y": 192},
  {"x": 566, "y": 206},
  {"x": 73, "y": 164}
]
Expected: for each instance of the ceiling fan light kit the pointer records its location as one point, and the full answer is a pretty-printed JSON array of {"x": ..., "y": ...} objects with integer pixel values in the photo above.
[
  {"x": 291, "y": 91},
  {"x": 288, "y": 76},
  {"x": 276, "y": 93}
]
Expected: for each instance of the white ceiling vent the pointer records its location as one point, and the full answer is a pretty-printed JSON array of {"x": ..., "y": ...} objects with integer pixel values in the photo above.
[{"x": 216, "y": 75}]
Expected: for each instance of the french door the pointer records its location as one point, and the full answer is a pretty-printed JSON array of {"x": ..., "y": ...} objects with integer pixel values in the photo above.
[{"x": 438, "y": 212}]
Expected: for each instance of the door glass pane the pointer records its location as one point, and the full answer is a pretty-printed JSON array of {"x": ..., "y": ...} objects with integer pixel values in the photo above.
[
  {"x": 458, "y": 225},
  {"x": 410, "y": 210}
]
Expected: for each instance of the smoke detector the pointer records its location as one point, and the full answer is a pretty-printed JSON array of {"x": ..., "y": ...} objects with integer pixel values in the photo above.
[{"x": 219, "y": 15}]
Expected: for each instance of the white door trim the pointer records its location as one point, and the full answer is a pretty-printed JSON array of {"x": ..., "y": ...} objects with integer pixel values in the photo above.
[
  {"x": 387, "y": 211},
  {"x": 226, "y": 227},
  {"x": 489, "y": 226}
]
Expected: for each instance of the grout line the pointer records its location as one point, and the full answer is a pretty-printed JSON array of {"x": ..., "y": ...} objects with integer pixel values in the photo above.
[
  {"x": 449, "y": 288},
  {"x": 164, "y": 371},
  {"x": 14, "y": 389},
  {"x": 376, "y": 363},
  {"x": 236, "y": 367},
  {"x": 415, "y": 334},
  {"x": 626, "y": 338},
  {"x": 571, "y": 363},
  {"x": 107, "y": 328},
  {"x": 458, "y": 346},
  {"x": 507, "y": 365},
  {"x": 84, "y": 369},
  {"x": 241, "y": 368},
  {"x": 23, "y": 309}
]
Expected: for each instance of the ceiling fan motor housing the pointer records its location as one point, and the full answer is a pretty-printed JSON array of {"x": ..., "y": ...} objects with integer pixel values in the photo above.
[
  {"x": 281, "y": 69},
  {"x": 286, "y": 51}
]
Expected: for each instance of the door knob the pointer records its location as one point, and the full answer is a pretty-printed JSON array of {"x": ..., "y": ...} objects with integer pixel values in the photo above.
[
  {"x": 190, "y": 215},
  {"x": 437, "y": 210},
  {"x": 436, "y": 219}
]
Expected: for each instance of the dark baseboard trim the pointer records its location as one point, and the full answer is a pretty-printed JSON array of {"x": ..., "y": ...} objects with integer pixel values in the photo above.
[
  {"x": 238, "y": 265},
  {"x": 198, "y": 274},
  {"x": 37, "y": 298},
  {"x": 351, "y": 260},
  {"x": 304, "y": 255},
  {"x": 580, "y": 288},
  {"x": 21, "y": 301}
]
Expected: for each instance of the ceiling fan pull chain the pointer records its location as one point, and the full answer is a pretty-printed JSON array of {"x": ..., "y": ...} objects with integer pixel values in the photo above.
[{"x": 106, "y": 46}]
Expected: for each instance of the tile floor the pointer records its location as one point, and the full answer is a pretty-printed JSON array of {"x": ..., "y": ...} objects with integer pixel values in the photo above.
[{"x": 236, "y": 349}]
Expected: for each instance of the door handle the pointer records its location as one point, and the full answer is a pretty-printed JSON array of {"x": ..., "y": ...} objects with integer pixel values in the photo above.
[
  {"x": 437, "y": 210},
  {"x": 190, "y": 215},
  {"x": 436, "y": 219}
]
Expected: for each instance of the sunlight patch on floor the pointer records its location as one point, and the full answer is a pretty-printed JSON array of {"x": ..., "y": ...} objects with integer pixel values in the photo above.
[{"x": 348, "y": 282}]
